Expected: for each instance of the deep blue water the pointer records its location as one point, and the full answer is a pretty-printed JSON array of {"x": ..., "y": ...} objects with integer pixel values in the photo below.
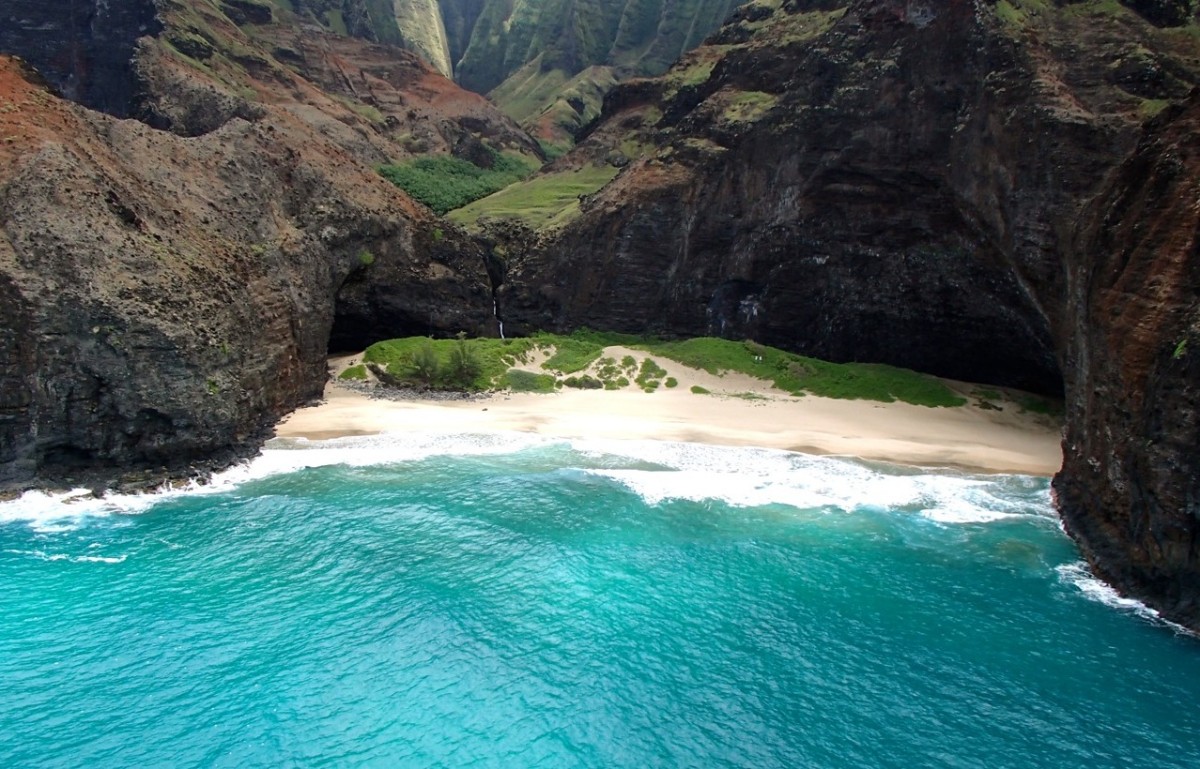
[{"x": 522, "y": 603}]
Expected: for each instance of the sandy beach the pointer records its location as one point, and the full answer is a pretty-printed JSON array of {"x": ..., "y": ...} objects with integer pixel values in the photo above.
[{"x": 738, "y": 411}]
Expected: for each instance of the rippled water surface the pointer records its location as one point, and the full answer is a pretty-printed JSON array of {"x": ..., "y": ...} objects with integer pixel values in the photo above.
[{"x": 512, "y": 602}]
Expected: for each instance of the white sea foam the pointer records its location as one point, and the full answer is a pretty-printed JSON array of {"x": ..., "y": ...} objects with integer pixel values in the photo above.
[
  {"x": 43, "y": 556},
  {"x": 739, "y": 476},
  {"x": 1078, "y": 575},
  {"x": 749, "y": 477},
  {"x": 50, "y": 512}
]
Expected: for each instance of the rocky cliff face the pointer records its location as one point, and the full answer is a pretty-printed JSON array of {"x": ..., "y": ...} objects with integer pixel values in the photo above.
[
  {"x": 1129, "y": 490},
  {"x": 166, "y": 299},
  {"x": 166, "y": 295},
  {"x": 842, "y": 193},
  {"x": 84, "y": 48},
  {"x": 904, "y": 182}
]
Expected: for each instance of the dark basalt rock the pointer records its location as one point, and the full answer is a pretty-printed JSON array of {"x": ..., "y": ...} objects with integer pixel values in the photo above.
[
  {"x": 937, "y": 188},
  {"x": 248, "y": 11},
  {"x": 1164, "y": 13},
  {"x": 871, "y": 216},
  {"x": 84, "y": 48},
  {"x": 1129, "y": 489},
  {"x": 164, "y": 300}
]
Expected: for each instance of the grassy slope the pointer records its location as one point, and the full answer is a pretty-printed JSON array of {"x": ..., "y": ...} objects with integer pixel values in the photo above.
[
  {"x": 552, "y": 104},
  {"x": 544, "y": 201},
  {"x": 495, "y": 356},
  {"x": 791, "y": 373}
]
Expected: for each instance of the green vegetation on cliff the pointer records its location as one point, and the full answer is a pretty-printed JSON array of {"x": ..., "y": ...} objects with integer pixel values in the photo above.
[
  {"x": 541, "y": 202},
  {"x": 798, "y": 374},
  {"x": 444, "y": 183}
]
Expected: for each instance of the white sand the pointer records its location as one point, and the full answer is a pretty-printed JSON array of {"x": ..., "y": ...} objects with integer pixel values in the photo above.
[{"x": 741, "y": 411}]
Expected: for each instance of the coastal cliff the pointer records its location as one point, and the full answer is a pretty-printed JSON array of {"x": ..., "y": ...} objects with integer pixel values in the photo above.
[
  {"x": 167, "y": 299},
  {"x": 85, "y": 49},
  {"x": 974, "y": 190},
  {"x": 1129, "y": 490},
  {"x": 169, "y": 294},
  {"x": 875, "y": 185}
]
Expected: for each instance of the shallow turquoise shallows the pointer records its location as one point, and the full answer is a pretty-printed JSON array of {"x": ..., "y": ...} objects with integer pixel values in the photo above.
[{"x": 516, "y": 602}]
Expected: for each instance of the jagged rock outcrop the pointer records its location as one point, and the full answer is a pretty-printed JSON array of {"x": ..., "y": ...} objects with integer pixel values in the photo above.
[
  {"x": 1129, "y": 490},
  {"x": 547, "y": 63}
]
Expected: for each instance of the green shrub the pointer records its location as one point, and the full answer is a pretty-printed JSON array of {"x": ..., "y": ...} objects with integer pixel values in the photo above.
[
  {"x": 464, "y": 365},
  {"x": 358, "y": 372},
  {"x": 570, "y": 354},
  {"x": 584, "y": 382},
  {"x": 528, "y": 382},
  {"x": 671, "y": 382},
  {"x": 698, "y": 390},
  {"x": 606, "y": 369},
  {"x": 366, "y": 258},
  {"x": 650, "y": 374},
  {"x": 425, "y": 365}
]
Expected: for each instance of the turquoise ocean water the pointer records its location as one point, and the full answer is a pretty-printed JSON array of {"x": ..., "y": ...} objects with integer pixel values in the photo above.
[{"x": 518, "y": 602}]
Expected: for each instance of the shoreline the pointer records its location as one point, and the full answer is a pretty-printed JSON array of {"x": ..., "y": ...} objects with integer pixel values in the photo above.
[{"x": 966, "y": 438}]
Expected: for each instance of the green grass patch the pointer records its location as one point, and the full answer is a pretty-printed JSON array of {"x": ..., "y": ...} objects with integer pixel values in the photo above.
[
  {"x": 698, "y": 390},
  {"x": 584, "y": 347},
  {"x": 570, "y": 355},
  {"x": 1151, "y": 107},
  {"x": 1010, "y": 14},
  {"x": 748, "y": 106},
  {"x": 528, "y": 382},
  {"x": 355, "y": 373},
  {"x": 797, "y": 374},
  {"x": 335, "y": 21},
  {"x": 399, "y": 359},
  {"x": 545, "y": 201},
  {"x": 444, "y": 183}
]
